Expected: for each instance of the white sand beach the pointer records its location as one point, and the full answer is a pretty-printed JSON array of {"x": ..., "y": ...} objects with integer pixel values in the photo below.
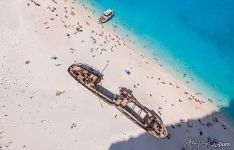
[{"x": 40, "y": 39}]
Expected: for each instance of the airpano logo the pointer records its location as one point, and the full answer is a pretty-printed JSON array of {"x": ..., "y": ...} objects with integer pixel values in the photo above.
[
  {"x": 198, "y": 143},
  {"x": 221, "y": 144}
]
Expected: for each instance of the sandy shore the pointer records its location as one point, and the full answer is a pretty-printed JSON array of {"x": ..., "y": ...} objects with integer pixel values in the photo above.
[{"x": 39, "y": 40}]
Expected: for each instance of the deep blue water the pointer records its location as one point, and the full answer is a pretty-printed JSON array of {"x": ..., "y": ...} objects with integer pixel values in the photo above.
[{"x": 194, "y": 37}]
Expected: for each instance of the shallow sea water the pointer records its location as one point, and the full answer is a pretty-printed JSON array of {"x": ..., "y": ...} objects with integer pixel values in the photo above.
[{"x": 193, "y": 37}]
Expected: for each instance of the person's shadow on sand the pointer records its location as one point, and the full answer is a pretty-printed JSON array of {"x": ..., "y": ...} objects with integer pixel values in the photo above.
[{"x": 201, "y": 130}]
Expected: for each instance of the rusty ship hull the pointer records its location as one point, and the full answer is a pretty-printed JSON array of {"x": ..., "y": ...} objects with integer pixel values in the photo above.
[
  {"x": 139, "y": 114},
  {"x": 79, "y": 73},
  {"x": 125, "y": 102}
]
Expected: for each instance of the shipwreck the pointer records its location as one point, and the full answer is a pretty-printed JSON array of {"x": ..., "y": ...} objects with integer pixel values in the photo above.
[{"x": 125, "y": 101}]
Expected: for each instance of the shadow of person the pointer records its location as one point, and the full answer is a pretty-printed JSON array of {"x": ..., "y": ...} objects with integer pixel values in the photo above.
[{"x": 210, "y": 127}]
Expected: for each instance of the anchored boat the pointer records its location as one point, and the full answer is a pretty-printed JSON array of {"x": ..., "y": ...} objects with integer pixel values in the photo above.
[
  {"x": 106, "y": 16},
  {"x": 125, "y": 101}
]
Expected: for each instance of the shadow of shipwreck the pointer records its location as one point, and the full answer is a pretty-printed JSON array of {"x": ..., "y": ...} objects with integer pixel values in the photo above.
[{"x": 201, "y": 130}]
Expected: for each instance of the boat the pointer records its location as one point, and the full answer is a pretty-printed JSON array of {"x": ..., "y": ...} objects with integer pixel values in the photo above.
[
  {"x": 124, "y": 101},
  {"x": 106, "y": 16}
]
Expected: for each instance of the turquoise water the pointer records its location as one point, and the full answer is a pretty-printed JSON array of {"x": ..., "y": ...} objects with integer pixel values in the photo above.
[{"x": 195, "y": 37}]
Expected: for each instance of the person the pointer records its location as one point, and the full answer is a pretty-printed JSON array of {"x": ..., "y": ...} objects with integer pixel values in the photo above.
[
  {"x": 201, "y": 133},
  {"x": 168, "y": 136}
]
